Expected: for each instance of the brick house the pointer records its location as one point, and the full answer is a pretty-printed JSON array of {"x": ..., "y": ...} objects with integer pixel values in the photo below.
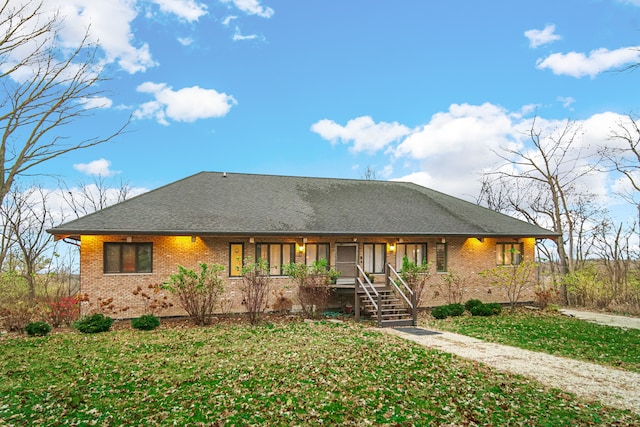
[{"x": 225, "y": 218}]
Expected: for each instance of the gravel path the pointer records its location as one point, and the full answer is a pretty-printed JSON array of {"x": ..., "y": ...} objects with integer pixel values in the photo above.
[
  {"x": 610, "y": 386},
  {"x": 603, "y": 318}
]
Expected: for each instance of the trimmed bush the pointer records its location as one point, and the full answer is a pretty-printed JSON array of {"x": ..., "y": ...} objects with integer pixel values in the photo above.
[
  {"x": 472, "y": 303},
  {"x": 441, "y": 312},
  {"x": 37, "y": 329},
  {"x": 481, "y": 310},
  {"x": 147, "y": 322},
  {"x": 495, "y": 307},
  {"x": 456, "y": 309},
  {"x": 490, "y": 309},
  {"x": 93, "y": 324}
]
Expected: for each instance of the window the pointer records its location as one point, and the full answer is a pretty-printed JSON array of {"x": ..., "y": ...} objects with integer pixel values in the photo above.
[
  {"x": 374, "y": 257},
  {"x": 441, "y": 257},
  {"x": 236, "y": 259},
  {"x": 128, "y": 257},
  {"x": 276, "y": 255},
  {"x": 509, "y": 253},
  {"x": 316, "y": 252},
  {"x": 415, "y": 252}
]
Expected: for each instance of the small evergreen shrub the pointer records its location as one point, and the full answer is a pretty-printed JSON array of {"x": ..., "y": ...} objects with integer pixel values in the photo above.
[
  {"x": 456, "y": 309},
  {"x": 37, "y": 329},
  {"x": 147, "y": 322},
  {"x": 489, "y": 309},
  {"x": 441, "y": 312},
  {"x": 495, "y": 307},
  {"x": 481, "y": 310},
  {"x": 472, "y": 303},
  {"x": 93, "y": 324}
]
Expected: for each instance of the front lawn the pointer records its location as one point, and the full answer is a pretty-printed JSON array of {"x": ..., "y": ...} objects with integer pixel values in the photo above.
[
  {"x": 551, "y": 333},
  {"x": 283, "y": 374}
]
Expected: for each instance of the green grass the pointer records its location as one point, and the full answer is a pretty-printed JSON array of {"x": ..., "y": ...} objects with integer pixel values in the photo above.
[
  {"x": 554, "y": 334},
  {"x": 284, "y": 374}
]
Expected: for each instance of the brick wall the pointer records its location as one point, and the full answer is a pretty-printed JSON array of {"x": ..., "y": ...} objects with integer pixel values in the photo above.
[{"x": 465, "y": 257}]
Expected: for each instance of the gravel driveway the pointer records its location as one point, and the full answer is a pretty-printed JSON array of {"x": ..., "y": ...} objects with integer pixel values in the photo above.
[{"x": 610, "y": 386}]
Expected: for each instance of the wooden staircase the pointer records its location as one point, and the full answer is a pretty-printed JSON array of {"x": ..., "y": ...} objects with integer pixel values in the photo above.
[
  {"x": 393, "y": 304},
  {"x": 393, "y": 310}
]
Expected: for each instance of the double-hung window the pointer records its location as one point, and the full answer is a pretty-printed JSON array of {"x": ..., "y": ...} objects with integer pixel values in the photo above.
[
  {"x": 276, "y": 255},
  {"x": 415, "y": 252},
  {"x": 316, "y": 252},
  {"x": 509, "y": 253},
  {"x": 128, "y": 258},
  {"x": 374, "y": 257}
]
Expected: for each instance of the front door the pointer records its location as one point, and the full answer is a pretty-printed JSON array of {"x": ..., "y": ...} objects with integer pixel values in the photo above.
[{"x": 346, "y": 258}]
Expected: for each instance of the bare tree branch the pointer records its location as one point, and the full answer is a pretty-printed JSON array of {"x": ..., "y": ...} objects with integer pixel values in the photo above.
[{"x": 45, "y": 89}]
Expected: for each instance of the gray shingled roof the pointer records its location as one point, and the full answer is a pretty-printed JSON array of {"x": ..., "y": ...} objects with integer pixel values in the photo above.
[{"x": 213, "y": 203}]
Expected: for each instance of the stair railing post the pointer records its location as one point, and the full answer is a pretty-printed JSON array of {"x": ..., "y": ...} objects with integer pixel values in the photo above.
[
  {"x": 379, "y": 298},
  {"x": 414, "y": 303},
  {"x": 356, "y": 303},
  {"x": 387, "y": 275}
]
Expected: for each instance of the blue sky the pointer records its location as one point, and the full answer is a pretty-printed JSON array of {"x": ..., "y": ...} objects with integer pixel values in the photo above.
[{"x": 418, "y": 90}]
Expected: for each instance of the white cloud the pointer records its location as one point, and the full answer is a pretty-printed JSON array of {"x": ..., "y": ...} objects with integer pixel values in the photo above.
[
  {"x": 541, "y": 37},
  {"x": 110, "y": 28},
  {"x": 566, "y": 101},
  {"x": 188, "y": 10},
  {"x": 184, "y": 105},
  {"x": 185, "y": 41},
  {"x": 228, "y": 20},
  {"x": 238, "y": 36},
  {"x": 577, "y": 64},
  {"x": 252, "y": 7},
  {"x": 96, "y": 102},
  {"x": 450, "y": 152},
  {"x": 365, "y": 134},
  {"x": 100, "y": 167},
  {"x": 454, "y": 131}
]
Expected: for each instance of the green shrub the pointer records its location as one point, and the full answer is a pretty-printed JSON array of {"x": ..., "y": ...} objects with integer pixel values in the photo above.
[
  {"x": 490, "y": 309},
  {"x": 495, "y": 307},
  {"x": 93, "y": 324},
  {"x": 481, "y": 310},
  {"x": 456, "y": 309},
  {"x": 441, "y": 312},
  {"x": 472, "y": 303},
  {"x": 147, "y": 322},
  {"x": 37, "y": 329}
]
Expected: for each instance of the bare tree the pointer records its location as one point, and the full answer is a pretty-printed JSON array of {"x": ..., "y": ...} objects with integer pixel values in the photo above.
[
  {"x": 88, "y": 197},
  {"x": 46, "y": 88},
  {"x": 541, "y": 183},
  {"x": 370, "y": 174},
  {"x": 30, "y": 219},
  {"x": 625, "y": 157}
]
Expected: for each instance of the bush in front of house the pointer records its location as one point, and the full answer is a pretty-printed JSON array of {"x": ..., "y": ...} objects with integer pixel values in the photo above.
[
  {"x": 472, "y": 303},
  {"x": 197, "y": 291},
  {"x": 456, "y": 309},
  {"x": 37, "y": 329},
  {"x": 146, "y": 322},
  {"x": 93, "y": 324},
  {"x": 490, "y": 309},
  {"x": 441, "y": 312}
]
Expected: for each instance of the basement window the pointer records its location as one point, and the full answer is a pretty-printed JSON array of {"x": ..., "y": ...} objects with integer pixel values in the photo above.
[{"x": 122, "y": 258}]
